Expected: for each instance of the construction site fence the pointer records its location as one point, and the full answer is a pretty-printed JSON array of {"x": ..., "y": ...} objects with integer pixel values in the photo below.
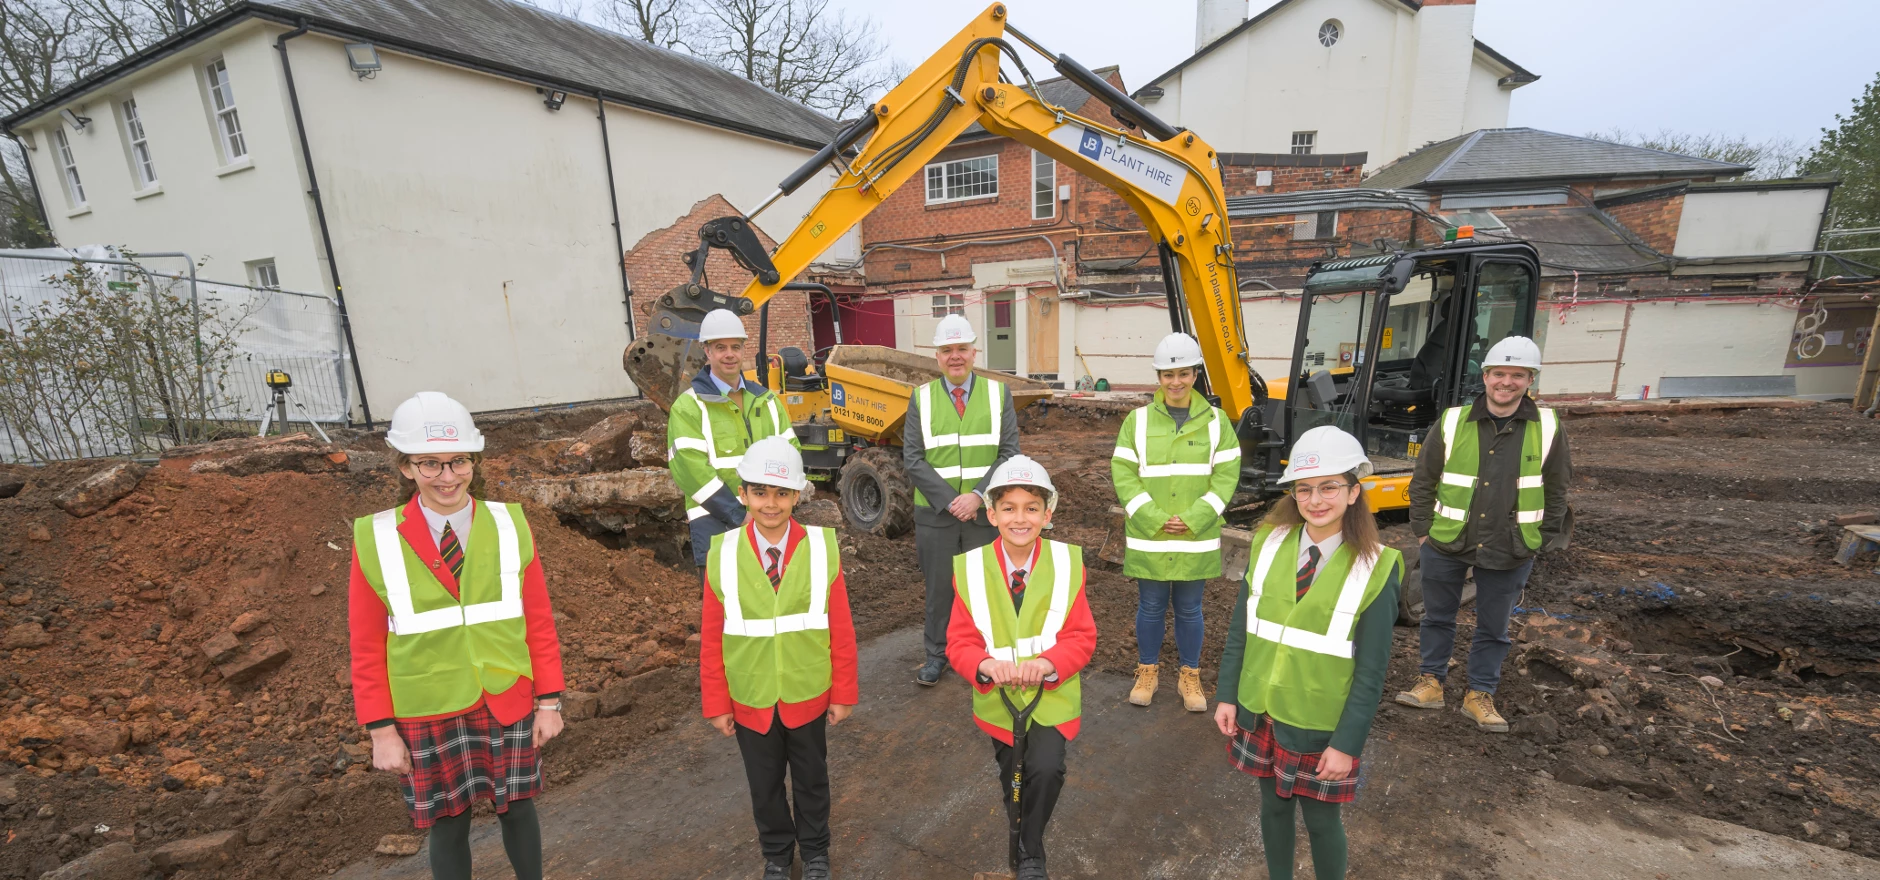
[{"x": 109, "y": 354}]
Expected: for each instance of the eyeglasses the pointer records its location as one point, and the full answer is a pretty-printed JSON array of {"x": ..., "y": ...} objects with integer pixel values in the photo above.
[
  {"x": 1327, "y": 491},
  {"x": 433, "y": 469}
]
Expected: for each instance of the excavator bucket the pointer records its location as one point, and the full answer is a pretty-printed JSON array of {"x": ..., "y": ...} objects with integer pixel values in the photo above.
[{"x": 662, "y": 366}]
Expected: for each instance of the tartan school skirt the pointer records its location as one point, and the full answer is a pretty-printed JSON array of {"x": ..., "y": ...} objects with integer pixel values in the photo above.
[
  {"x": 1256, "y": 753},
  {"x": 456, "y": 760}
]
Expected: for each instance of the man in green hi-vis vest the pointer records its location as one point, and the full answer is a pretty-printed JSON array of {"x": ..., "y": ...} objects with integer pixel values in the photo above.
[
  {"x": 1489, "y": 493},
  {"x": 960, "y": 427}
]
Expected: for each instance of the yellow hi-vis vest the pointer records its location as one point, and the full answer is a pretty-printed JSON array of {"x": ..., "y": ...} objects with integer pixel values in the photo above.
[
  {"x": 961, "y": 448},
  {"x": 1050, "y": 590},
  {"x": 444, "y": 651},
  {"x": 1299, "y": 660},
  {"x": 1463, "y": 462},
  {"x": 706, "y": 440},
  {"x": 776, "y": 641}
]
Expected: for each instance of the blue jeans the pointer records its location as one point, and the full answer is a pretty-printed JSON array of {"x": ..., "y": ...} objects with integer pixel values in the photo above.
[
  {"x": 1495, "y": 595},
  {"x": 1152, "y": 611}
]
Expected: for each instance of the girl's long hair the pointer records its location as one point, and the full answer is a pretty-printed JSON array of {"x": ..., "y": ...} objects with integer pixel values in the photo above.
[
  {"x": 1359, "y": 526},
  {"x": 408, "y": 487}
]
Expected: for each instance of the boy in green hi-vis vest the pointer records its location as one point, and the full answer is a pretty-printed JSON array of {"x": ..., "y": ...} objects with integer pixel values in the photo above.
[
  {"x": 777, "y": 656},
  {"x": 456, "y": 668},
  {"x": 1021, "y": 625},
  {"x": 1307, "y": 650}
]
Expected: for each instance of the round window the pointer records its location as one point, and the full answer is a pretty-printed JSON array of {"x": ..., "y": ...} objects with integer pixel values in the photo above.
[{"x": 1329, "y": 32}]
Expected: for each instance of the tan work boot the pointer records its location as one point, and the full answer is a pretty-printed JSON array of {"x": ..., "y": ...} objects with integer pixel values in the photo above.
[
  {"x": 1189, "y": 686},
  {"x": 1145, "y": 684},
  {"x": 1480, "y": 707},
  {"x": 1427, "y": 694}
]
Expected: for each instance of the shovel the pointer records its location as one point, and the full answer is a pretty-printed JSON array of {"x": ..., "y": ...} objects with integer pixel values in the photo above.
[{"x": 1021, "y": 727}]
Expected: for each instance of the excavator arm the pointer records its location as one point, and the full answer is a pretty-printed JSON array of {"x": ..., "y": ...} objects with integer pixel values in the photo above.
[{"x": 1171, "y": 178}]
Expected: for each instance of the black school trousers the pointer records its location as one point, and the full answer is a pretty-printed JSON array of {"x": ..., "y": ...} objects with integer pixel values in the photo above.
[{"x": 804, "y": 753}]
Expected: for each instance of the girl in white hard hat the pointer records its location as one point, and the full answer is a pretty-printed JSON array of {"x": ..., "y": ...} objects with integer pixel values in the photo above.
[
  {"x": 1176, "y": 464},
  {"x": 1307, "y": 650},
  {"x": 777, "y": 655},
  {"x": 1021, "y": 631},
  {"x": 456, "y": 667}
]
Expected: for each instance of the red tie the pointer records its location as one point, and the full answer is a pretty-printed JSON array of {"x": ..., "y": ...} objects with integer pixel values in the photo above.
[
  {"x": 776, "y": 575},
  {"x": 959, "y": 400}
]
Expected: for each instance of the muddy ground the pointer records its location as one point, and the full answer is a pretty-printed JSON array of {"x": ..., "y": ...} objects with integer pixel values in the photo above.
[{"x": 1701, "y": 550}]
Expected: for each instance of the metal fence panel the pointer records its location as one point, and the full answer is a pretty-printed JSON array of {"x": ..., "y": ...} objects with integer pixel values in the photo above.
[{"x": 199, "y": 375}]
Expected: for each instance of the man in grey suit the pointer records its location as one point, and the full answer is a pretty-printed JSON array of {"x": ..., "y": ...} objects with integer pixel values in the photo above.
[{"x": 960, "y": 428}]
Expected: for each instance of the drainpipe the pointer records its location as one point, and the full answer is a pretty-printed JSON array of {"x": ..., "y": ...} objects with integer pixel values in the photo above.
[
  {"x": 613, "y": 198},
  {"x": 319, "y": 210}
]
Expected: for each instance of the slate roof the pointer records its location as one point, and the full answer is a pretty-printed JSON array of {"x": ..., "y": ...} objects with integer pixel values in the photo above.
[
  {"x": 1058, "y": 92},
  {"x": 522, "y": 41},
  {"x": 1573, "y": 238},
  {"x": 1526, "y": 155}
]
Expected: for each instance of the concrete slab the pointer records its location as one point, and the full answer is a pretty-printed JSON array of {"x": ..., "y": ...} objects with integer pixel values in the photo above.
[{"x": 1149, "y": 795}]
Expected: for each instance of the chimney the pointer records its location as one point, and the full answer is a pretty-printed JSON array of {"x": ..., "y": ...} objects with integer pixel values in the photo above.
[{"x": 1214, "y": 18}]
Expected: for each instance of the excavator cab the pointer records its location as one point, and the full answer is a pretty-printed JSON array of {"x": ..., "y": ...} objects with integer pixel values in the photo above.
[{"x": 1386, "y": 342}]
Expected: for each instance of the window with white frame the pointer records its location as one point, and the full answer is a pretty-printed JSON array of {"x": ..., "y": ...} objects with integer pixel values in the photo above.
[
  {"x": 1043, "y": 186},
  {"x": 1303, "y": 142},
  {"x": 263, "y": 274},
  {"x": 963, "y": 179},
  {"x": 74, "y": 189},
  {"x": 145, "y": 169},
  {"x": 945, "y": 304},
  {"x": 228, "y": 124}
]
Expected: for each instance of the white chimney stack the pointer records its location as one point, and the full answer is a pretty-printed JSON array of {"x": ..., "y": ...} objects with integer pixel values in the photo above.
[{"x": 1214, "y": 18}]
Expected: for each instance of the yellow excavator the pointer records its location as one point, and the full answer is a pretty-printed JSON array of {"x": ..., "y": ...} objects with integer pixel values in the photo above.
[{"x": 1384, "y": 342}]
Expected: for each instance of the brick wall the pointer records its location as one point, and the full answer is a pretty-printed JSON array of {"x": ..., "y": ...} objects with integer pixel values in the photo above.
[
  {"x": 1655, "y": 220},
  {"x": 654, "y": 266}
]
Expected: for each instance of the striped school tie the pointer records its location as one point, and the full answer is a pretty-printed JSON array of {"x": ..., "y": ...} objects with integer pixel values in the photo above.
[
  {"x": 452, "y": 550},
  {"x": 1307, "y": 572},
  {"x": 775, "y": 570}
]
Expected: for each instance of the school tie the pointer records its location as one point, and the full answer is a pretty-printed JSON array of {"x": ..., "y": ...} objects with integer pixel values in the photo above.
[
  {"x": 775, "y": 570},
  {"x": 1307, "y": 572},
  {"x": 452, "y": 550},
  {"x": 959, "y": 400},
  {"x": 1018, "y": 589}
]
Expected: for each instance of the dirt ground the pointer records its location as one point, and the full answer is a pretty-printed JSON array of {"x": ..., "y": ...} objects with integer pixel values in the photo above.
[{"x": 1703, "y": 548}]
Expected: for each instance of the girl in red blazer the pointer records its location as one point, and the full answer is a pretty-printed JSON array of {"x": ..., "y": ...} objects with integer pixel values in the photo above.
[{"x": 455, "y": 664}]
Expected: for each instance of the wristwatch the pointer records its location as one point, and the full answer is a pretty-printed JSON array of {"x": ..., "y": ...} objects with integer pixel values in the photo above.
[{"x": 556, "y": 707}]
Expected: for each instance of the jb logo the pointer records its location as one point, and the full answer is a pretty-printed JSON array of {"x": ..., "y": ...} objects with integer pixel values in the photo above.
[
  {"x": 1091, "y": 145},
  {"x": 838, "y": 396}
]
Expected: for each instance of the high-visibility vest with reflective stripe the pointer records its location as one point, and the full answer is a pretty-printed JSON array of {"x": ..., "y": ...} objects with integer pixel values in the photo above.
[
  {"x": 1299, "y": 661},
  {"x": 776, "y": 641},
  {"x": 961, "y": 448},
  {"x": 721, "y": 439},
  {"x": 1017, "y": 636},
  {"x": 1463, "y": 462},
  {"x": 1176, "y": 470},
  {"x": 443, "y": 652}
]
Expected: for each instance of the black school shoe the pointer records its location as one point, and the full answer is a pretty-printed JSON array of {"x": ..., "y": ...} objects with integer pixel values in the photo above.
[
  {"x": 816, "y": 868},
  {"x": 1032, "y": 869},
  {"x": 774, "y": 871},
  {"x": 929, "y": 674}
]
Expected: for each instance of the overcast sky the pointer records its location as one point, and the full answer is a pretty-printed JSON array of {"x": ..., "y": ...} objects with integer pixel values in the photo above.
[{"x": 1751, "y": 67}]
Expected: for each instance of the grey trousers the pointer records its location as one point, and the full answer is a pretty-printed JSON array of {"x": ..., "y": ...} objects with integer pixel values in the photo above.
[
  {"x": 935, "y": 546},
  {"x": 1496, "y": 592}
]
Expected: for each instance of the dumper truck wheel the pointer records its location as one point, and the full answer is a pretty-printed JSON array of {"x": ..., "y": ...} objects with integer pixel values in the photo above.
[{"x": 876, "y": 496}]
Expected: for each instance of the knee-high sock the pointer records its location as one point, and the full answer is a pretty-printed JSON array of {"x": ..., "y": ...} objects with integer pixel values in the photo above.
[{"x": 522, "y": 839}]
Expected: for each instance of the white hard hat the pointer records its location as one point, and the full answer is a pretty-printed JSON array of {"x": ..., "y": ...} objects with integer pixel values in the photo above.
[
  {"x": 432, "y": 422},
  {"x": 1514, "y": 351},
  {"x": 720, "y": 324},
  {"x": 1323, "y": 452},
  {"x": 1175, "y": 351},
  {"x": 1021, "y": 470},
  {"x": 773, "y": 462},
  {"x": 953, "y": 330}
]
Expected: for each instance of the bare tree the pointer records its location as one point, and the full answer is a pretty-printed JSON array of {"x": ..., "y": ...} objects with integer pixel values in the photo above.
[
  {"x": 797, "y": 48},
  {"x": 664, "y": 23},
  {"x": 1769, "y": 159}
]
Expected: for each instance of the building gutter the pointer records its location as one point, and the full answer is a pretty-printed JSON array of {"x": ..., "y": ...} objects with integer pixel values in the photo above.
[
  {"x": 613, "y": 200},
  {"x": 319, "y": 210}
]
